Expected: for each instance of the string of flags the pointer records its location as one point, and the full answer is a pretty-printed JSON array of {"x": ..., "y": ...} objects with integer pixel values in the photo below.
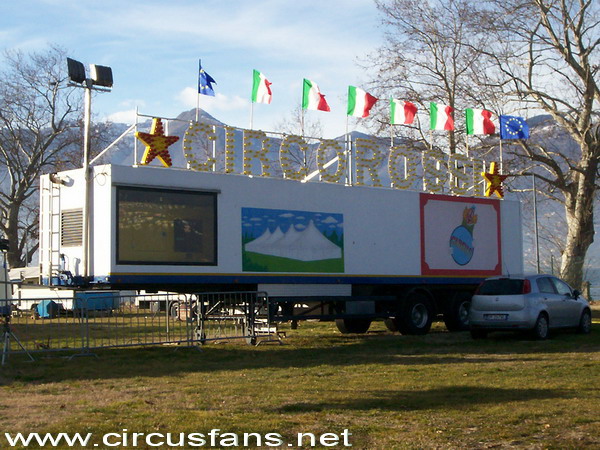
[{"x": 360, "y": 102}]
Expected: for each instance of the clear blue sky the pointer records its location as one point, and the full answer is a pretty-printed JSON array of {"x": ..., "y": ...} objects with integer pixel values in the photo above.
[{"x": 153, "y": 48}]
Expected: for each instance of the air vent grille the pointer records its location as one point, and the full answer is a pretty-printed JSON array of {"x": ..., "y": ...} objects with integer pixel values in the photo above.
[{"x": 71, "y": 226}]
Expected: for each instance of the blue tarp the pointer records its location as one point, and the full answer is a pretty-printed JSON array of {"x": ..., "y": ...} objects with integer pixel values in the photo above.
[
  {"x": 96, "y": 301},
  {"x": 48, "y": 309}
]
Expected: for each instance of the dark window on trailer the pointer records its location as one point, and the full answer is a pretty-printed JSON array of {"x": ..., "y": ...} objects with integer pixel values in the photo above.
[{"x": 162, "y": 226}]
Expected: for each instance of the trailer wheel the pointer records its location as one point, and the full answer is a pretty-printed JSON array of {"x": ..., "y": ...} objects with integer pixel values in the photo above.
[
  {"x": 174, "y": 310},
  {"x": 391, "y": 324},
  {"x": 353, "y": 325},
  {"x": 456, "y": 315},
  {"x": 416, "y": 315}
]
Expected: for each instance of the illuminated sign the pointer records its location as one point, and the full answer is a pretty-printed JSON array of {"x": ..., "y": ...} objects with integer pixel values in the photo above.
[
  {"x": 412, "y": 168},
  {"x": 157, "y": 143}
]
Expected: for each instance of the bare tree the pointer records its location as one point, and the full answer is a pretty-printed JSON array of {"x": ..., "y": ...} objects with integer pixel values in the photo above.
[
  {"x": 428, "y": 55},
  {"x": 38, "y": 124},
  {"x": 512, "y": 55},
  {"x": 546, "y": 56}
]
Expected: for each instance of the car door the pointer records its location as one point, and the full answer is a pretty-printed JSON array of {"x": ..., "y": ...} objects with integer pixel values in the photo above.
[
  {"x": 550, "y": 298},
  {"x": 570, "y": 308}
]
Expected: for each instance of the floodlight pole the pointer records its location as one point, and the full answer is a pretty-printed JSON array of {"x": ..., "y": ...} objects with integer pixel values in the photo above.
[
  {"x": 99, "y": 76},
  {"x": 86, "y": 176}
]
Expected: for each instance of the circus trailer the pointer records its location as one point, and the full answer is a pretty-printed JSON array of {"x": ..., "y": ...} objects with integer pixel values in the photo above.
[{"x": 320, "y": 250}]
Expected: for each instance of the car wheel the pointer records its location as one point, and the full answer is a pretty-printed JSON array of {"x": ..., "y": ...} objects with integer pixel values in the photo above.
[
  {"x": 541, "y": 330},
  {"x": 585, "y": 323},
  {"x": 479, "y": 334}
]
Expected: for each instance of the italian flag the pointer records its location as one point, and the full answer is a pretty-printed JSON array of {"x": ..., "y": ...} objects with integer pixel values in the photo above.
[
  {"x": 440, "y": 117},
  {"x": 479, "y": 121},
  {"x": 312, "y": 97},
  {"x": 261, "y": 88},
  {"x": 402, "y": 113},
  {"x": 359, "y": 102}
]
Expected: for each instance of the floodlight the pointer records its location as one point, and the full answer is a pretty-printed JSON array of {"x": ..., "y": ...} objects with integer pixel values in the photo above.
[
  {"x": 101, "y": 75},
  {"x": 76, "y": 71},
  {"x": 4, "y": 245}
]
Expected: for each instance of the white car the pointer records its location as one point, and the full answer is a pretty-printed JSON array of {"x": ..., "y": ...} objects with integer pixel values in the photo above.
[{"x": 537, "y": 303}]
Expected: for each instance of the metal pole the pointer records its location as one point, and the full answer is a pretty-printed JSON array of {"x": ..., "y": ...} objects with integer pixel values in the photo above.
[
  {"x": 535, "y": 223},
  {"x": 86, "y": 177},
  {"x": 349, "y": 156},
  {"x": 135, "y": 141}
]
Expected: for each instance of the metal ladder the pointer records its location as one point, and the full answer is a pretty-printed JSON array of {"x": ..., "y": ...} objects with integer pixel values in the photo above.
[{"x": 50, "y": 263}]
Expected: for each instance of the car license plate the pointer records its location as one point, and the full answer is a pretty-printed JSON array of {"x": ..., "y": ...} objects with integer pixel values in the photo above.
[{"x": 495, "y": 316}]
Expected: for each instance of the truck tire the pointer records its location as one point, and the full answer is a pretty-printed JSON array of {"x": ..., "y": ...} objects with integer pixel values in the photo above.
[
  {"x": 174, "y": 310},
  {"x": 416, "y": 315},
  {"x": 456, "y": 315},
  {"x": 353, "y": 325},
  {"x": 391, "y": 324}
]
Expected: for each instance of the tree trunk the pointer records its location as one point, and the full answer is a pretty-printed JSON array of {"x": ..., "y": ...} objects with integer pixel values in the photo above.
[
  {"x": 13, "y": 256},
  {"x": 579, "y": 211}
]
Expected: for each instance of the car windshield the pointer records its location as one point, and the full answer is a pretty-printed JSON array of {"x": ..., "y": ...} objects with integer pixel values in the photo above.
[{"x": 503, "y": 286}]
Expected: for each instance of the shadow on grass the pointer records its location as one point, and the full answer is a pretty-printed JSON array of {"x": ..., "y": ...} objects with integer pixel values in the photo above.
[
  {"x": 453, "y": 397},
  {"x": 304, "y": 352}
]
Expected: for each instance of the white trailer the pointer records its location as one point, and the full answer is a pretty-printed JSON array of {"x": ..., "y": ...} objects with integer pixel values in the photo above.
[{"x": 320, "y": 250}]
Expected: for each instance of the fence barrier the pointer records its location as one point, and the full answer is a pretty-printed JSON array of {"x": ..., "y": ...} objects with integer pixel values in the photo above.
[
  {"x": 110, "y": 320},
  {"x": 234, "y": 315}
]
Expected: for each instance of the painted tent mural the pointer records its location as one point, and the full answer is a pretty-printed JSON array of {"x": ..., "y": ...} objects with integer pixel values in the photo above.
[{"x": 275, "y": 240}]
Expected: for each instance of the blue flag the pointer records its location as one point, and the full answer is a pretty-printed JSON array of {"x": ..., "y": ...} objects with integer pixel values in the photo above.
[
  {"x": 513, "y": 127},
  {"x": 204, "y": 82}
]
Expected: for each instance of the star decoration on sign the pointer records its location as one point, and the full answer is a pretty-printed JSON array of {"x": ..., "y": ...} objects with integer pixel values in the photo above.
[
  {"x": 494, "y": 181},
  {"x": 157, "y": 144}
]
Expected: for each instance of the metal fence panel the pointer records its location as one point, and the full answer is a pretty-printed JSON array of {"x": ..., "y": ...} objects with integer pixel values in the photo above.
[
  {"x": 111, "y": 320},
  {"x": 233, "y": 315},
  {"x": 102, "y": 321}
]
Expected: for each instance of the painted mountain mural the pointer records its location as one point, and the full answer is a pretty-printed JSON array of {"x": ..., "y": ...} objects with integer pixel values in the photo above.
[{"x": 292, "y": 241}]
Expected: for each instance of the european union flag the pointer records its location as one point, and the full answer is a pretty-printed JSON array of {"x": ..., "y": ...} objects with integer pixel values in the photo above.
[
  {"x": 513, "y": 127},
  {"x": 204, "y": 82}
]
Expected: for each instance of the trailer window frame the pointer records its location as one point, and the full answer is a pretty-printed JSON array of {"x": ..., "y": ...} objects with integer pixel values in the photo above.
[{"x": 210, "y": 257}]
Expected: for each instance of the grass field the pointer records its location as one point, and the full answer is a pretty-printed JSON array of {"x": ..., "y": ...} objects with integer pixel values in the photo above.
[{"x": 442, "y": 390}]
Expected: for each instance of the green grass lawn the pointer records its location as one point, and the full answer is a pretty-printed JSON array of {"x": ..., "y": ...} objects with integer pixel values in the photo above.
[{"x": 443, "y": 390}]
